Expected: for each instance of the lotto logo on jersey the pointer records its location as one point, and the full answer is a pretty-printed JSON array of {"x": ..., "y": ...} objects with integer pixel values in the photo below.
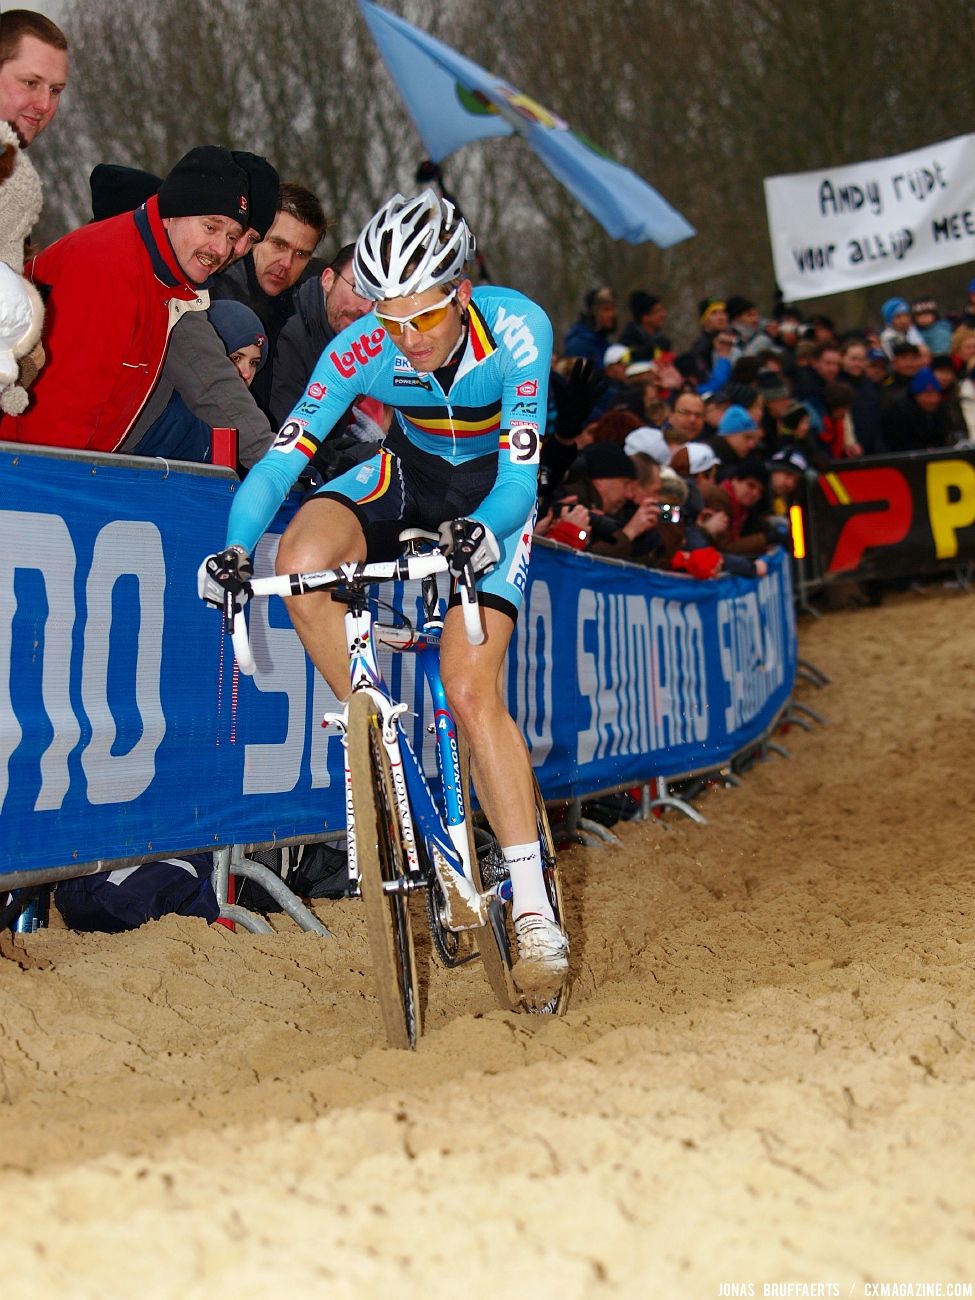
[
  {"x": 317, "y": 391},
  {"x": 364, "y": 347},
  {"x": 528, "y": 389}
]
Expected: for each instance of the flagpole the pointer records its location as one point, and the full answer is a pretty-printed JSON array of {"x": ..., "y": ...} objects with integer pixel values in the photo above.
[{"x": 428, "y": 172}]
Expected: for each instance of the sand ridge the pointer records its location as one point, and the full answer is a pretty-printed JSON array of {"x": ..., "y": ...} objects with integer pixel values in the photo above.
[{"x": 766, "y": 1072}]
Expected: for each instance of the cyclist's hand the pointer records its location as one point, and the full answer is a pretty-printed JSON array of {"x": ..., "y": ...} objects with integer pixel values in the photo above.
[
  {"x": 466, "y": 541},
  {"x": 227, "y": 571}
]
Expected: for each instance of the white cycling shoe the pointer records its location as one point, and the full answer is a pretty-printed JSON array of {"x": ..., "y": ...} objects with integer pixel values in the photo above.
[{"x": 543, "y": 956}]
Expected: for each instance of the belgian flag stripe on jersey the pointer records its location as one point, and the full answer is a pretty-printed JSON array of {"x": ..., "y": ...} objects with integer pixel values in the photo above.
[
  {"x": 464, "y": 422},
  {"x": 385, "y": 478},
  {"x": 482, "y": 340}
]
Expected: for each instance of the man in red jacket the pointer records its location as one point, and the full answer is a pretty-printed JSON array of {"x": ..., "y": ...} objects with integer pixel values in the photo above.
[{"x": 117, "y": 287}]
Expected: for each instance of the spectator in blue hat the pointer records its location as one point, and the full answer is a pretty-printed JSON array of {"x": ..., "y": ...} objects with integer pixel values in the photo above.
[
  {"x": 878, "y": 366},
  {"x": 737, "y": 436},
  {"x": 898, "y": 326},
  {"x": 917, "y": 421}
]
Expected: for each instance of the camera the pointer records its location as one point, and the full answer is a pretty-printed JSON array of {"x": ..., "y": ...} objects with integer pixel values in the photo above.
[
  {"x": 603, "y": 527},
  {"x": 669, "y": 514}
]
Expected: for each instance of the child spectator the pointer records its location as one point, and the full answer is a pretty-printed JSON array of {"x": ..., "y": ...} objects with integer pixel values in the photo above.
[
  {"x": 898, "y": 326},
  {"x": 934, "y": 331}
]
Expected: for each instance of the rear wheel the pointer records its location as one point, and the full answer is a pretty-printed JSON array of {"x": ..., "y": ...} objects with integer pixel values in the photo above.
[
  {"x": 556, "y": 1006},
  {"x": 381, "y": 861}
]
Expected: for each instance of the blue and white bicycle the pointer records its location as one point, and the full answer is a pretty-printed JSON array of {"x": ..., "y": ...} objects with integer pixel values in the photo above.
[{"x": 408, "y": 832}]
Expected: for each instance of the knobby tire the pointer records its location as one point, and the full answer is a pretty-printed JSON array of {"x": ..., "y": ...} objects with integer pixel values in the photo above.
[{"x": 380, "y": 858}]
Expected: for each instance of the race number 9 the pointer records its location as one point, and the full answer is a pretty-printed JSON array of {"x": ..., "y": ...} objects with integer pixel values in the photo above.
[{"x": 524, "y": 444}]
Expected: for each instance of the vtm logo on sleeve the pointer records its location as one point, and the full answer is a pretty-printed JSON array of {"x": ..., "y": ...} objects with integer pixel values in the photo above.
[
  {"x": 528, "y": 389},
  {"x": 364, "y": 347}
]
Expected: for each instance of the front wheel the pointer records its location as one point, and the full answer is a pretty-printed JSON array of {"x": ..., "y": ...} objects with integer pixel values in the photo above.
[{"x": 379, "y": 853}]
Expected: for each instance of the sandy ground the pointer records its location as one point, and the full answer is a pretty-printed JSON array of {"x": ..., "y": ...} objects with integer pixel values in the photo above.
[{"x": 766, "y": 1074}]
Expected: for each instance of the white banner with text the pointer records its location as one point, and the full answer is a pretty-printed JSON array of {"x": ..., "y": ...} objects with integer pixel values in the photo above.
[{"x": 846, "y": 227}]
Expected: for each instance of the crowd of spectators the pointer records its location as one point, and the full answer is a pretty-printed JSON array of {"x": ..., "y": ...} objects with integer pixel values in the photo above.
[
  {"x": 195, "y": 300},
  {"x": 687, "y": 454}
]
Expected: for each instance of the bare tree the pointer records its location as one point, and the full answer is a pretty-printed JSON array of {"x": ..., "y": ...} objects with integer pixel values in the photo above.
[{"x": 703, "y": 98}]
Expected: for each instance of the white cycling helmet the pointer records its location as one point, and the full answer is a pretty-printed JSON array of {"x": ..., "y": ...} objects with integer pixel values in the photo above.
[{"x": 409, "y": 246}]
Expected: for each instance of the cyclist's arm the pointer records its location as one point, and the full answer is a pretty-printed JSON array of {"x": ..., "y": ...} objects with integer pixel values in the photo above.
[
  {"x": 315, "y": 414},
  {"x": 525, "y": 369}
]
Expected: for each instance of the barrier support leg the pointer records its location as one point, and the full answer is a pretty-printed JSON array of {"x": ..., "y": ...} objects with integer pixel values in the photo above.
[
  {"x": 796, "y": 707},
  {"x": 279, "y": 891},
  {"x": 233, "y": 915},
  {"x": 602, "y": 833},
  {"x": 574, "y": 825},
  {"x": 810, "y": 673},
  {"x": 773, "y": 747},
  {"x": 646, "y": 802},
  {"x": 230, "y": 914},
  {"x": 665, "y": 799}
]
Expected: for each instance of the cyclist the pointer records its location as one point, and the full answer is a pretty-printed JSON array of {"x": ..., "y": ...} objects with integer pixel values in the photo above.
[{"x": 466, "y": 371}]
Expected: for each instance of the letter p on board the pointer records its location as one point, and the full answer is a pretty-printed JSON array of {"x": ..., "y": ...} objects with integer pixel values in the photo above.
[{"x": 951, "y": 503}]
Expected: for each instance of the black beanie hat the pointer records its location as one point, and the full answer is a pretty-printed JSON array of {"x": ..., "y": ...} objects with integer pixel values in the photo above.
[
  {"x": 608, "y": 460},
  {"x": 641, "y": 303},
  {"x": 737, "y": 305},
  {"x": 265, "y": 184},
  {"x": 206, "y": 182},
  {"x": 115, "y": 189}
]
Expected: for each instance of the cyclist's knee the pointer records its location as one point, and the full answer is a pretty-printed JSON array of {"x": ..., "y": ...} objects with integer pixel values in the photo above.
[
  {"x": 320, "y": 537},
  {"x": 472, "y": 700}
]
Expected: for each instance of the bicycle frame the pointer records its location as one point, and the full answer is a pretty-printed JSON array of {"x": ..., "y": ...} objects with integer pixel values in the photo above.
[{"x": 445, "y": 830}]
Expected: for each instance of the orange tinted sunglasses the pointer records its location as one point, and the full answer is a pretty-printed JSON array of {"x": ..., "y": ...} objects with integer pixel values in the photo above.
[{"x": 421, "y": 321}]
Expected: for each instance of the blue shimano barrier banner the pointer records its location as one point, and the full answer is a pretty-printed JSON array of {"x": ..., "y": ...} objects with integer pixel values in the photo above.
[
  {"x": 620, "y": 673},
  {"x": 126, "y": 730}
]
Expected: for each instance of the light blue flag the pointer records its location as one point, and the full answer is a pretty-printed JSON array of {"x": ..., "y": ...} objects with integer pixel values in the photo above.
[{"x": 454, "y": 101}]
